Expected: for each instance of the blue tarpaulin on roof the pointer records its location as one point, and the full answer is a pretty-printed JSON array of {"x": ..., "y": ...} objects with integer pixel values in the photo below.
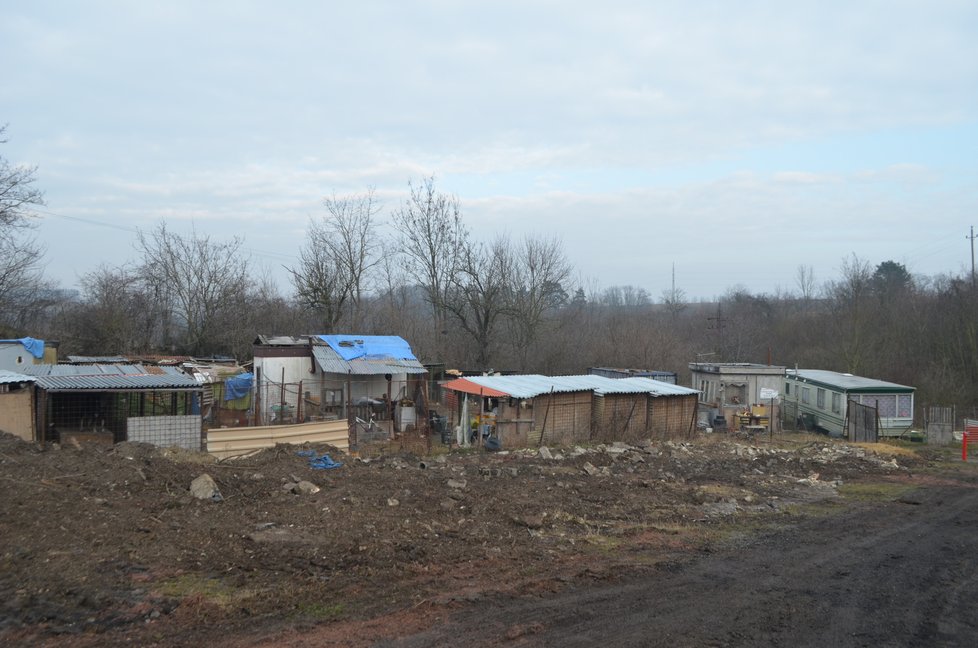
[
  {"x": 34, "y": 347},
  {"x": 350, "y": 347},
  {"x": 238, "y": 386}
]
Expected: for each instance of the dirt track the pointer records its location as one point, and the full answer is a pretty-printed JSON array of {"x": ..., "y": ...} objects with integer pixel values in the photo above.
[{"x": 896, "y": 574}]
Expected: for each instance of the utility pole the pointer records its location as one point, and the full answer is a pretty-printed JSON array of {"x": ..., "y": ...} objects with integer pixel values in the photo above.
[
  {"x": 718, "y": 324},
  {"x": 971, "y": 237}
]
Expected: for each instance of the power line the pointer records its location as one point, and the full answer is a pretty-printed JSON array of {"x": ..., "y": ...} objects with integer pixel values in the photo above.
[
  {"x": 273, "y": 256},
  {"x": 90, "y": 221},
  {"x": 719, "y": 323}
]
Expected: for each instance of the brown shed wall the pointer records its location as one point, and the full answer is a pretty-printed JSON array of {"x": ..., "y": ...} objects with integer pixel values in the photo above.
[
  {"x": 515, "y": 424},
  {"x": 672, "y": 417},
  {"x": 621, "y": 417},
  {"x": 564, "y": 419}
]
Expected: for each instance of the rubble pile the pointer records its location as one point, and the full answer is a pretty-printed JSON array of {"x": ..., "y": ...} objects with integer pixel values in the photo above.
[{"x": 113, "y": 540}]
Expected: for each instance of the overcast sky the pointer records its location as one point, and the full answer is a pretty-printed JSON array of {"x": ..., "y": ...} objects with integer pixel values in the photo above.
[{"x": 736, "y": 140}]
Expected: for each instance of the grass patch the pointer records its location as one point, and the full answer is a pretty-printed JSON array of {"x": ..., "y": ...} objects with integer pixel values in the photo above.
[
  {"x": 320, "y": 611},
  {"x": 892, "y": 448},
  {"x": 602, "y": 543},
  {"x": 817, "y": 508},
  {"x": 873, "y": 491},
  {"x": 212, "y": 590}
]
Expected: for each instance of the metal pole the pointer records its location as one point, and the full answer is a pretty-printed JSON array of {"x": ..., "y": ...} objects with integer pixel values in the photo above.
[
  {"x": 298, "y": 405},
  {"x": 972, "y": 238},
  {"x": 281, "y": 411},
  {"x": 351, "y": 427}
]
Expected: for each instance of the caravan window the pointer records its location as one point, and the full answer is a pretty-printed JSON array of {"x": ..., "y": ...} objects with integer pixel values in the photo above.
[
  {"x": 806, "y": 395},
  {"x": 885, "y": 402},
  {"x": 905, "y": 405},
  {"x": 820, "y": 397},
  {"x": 837, "y": 403}
]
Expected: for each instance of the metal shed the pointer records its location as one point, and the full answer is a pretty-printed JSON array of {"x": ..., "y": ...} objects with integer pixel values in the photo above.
[{"x": 116, "y": 402}]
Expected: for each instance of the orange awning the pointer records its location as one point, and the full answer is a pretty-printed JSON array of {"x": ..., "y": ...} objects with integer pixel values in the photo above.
[{"x": 469, "y": 387}]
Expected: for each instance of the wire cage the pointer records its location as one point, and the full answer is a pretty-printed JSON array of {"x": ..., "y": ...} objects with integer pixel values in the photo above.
[{"x": 159, "y": 417}]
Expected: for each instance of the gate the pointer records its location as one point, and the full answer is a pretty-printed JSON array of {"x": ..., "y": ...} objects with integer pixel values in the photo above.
[
  {"x": 862, "y": 423},
  {"x": 939, "y": 424},
  {"x": 789, "y": 415}
]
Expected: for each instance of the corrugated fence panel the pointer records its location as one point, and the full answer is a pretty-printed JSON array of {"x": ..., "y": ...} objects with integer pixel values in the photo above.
[{"x": 234, "y": 442}]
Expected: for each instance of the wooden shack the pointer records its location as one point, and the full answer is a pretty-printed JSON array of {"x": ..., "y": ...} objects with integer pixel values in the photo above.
[{"x": 530, "y": 410}]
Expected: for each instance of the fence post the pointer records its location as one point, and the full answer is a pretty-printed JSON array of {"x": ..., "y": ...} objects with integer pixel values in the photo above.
[
  {"x": 281, "y": 405},
  {"x": 351, "y": 425},
  {"x": 298, "y": 405},
  {"x": 259, "y": 419},
  {"x": 970, "y": 428}
]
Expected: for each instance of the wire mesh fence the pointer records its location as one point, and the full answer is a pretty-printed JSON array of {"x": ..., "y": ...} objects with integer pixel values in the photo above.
[
  {"x": 377, "y": 407},
  {"x": 160, "y": 417}
]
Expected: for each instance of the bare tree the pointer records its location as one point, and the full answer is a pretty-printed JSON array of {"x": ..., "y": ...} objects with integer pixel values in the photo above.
[
  {"x": 262, "y": 309},
  {"x": 627, "y": 296},
  {"x": 539, "y": 270},
  {"x": 116, "y": 316},
  {"x": 201, "y": 283},
  {"x": 805, "y": 280},
  {"x": 20, "y": 254},
  {"x": 480, "y": 294},
  {"x": 851, "y": 310},
  {"x": 674, "y": 298},
  {"x": 321, "y": 280},
  {"x": 433, "y": 242},
  {"x": 353, "y": 242}
]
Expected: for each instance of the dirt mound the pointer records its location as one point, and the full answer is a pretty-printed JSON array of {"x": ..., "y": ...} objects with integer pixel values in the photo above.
[{"x": 108, "y": 545}]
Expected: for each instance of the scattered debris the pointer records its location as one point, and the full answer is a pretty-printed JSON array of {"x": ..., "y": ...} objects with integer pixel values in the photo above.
[{"x": 376, "y": 533}]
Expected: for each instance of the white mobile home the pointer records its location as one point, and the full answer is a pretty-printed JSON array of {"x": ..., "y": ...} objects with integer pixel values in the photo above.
[{"x": 821, "y": 399}]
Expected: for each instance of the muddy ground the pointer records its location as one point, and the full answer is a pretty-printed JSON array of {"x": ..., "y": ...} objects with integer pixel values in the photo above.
[{"x": 107, "y": 546}]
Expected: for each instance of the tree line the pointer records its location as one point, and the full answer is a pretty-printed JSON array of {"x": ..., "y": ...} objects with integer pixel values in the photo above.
[{"x": 507, "y": 303}]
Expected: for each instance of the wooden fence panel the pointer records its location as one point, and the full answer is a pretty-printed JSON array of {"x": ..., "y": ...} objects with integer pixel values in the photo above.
[
  {"x": 862, "y": 423},
  {"x": 239, "y": 441},
  {"x": 939, "y": 426}
]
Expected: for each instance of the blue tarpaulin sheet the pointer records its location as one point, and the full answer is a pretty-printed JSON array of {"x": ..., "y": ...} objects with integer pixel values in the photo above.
[
  {"x": 319, "y": 463},
  {"x": 238, "y": 386},
  {"x": 350, "y": 347},
  {"x": 34, "y": 347}
]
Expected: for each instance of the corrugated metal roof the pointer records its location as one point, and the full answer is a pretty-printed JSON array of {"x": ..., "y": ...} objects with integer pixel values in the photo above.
[
  {"x": 621, "y": 372},
  {"x": 77, "y": 359},
  {"x": 659, "y": 388},
  {"x": 532, "y": 385},
  {"x": 112, "y": 376},
  {"x": 282, "y": 340},
  {"x": 330, "y": 362},
  {"x": 10, "y": 377},
  {"x": 848, "y": 382},
  {"x": 93, "y": 369}
]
